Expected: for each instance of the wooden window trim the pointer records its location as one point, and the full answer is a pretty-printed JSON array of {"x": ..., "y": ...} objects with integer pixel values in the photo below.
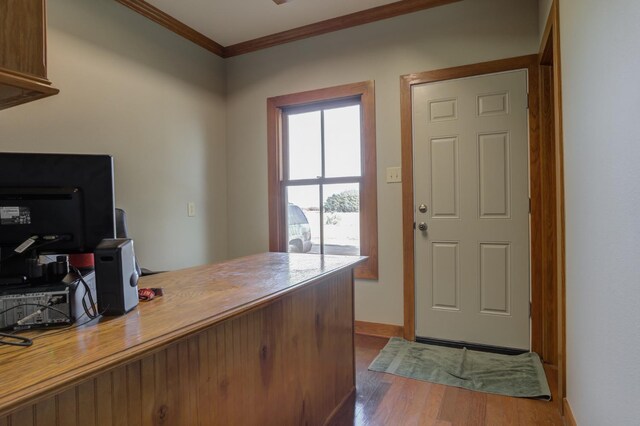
[{"x": 369, "y": 216}]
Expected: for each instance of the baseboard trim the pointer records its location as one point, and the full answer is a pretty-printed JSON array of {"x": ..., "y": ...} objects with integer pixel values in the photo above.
[
  {"x": 569, "y": 420},
  {"x": 471, "y": 346},
  {"x": 378, "y": 330}
]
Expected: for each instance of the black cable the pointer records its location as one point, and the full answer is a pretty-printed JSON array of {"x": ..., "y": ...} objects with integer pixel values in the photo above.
[
  {"x": 92, "y": 313},
  {"x": 20, "y": 341}
]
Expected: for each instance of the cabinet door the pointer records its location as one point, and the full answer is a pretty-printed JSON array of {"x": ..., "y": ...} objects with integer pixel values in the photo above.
[{"x": 22, "y": 37}]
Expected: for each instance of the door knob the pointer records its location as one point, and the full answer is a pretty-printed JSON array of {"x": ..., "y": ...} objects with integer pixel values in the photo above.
[
  {"x": 422, "y": 226},
  {"x": 422, "y": 208}
]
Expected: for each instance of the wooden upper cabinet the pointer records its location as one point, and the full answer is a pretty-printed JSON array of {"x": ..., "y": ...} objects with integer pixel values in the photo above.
[{"x": 23, "y": 64}]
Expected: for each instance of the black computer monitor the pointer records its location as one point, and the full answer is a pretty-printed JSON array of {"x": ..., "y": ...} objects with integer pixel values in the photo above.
[{"x": 66, "y": 201}]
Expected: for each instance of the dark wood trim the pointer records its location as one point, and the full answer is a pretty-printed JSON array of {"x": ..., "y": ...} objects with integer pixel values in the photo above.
[
  {"x": 549, "y": 350},
  {"x": 158, "y": 16},
  {"x": 560, "y": 218},
  {"x": 354, "y": 19},
  {"x": 33, "y": 80},
  {"x": 500, "y": 65},
  {"x": 369, "y": 223},
  {"x": 549, "y": 56},
  {"x": 32, "y": 88},
  {"x": 274, "y": 170},
  {"x": 530, "y": 63},
  {"x": 378, "y": 330},
  {"x": 379, "y": 13}
]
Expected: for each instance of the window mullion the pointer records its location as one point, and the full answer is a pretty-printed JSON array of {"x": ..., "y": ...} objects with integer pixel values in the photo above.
[
  {"x": 324, "y": 181},
  {"x": 283, "y": 183},
  {"x": 321, "y": 191}
]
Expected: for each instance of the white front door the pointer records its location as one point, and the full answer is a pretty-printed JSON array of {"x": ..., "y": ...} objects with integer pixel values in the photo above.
[{"x": 470, "y": 142}]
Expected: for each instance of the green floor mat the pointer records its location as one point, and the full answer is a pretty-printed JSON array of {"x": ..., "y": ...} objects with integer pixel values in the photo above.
[{"x": 510, "y": 375}]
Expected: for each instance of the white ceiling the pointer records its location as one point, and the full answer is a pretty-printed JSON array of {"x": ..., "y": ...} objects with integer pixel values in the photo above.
[{"x": 233, "y": 21}]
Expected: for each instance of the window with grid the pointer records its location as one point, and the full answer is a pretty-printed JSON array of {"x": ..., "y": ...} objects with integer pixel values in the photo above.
[{"x": 322, "y": 188}]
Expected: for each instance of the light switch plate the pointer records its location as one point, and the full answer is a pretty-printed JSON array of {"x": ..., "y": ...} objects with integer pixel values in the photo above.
[
  {"x": 394, "y": 174},
  {"x": 191, "y": 209}
]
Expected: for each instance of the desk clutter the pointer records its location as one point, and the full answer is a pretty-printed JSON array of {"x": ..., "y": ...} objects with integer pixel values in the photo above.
[
  {"x": 62, "y": 207},
  {"x": 70, "y": 294},
  {"x": 148, "y": 294}
]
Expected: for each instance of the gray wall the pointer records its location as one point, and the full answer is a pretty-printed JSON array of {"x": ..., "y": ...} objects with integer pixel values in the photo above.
[
  {"x": 544, "y": 7},
  {"x": 157, "y": 103},
  {"x": 461, "y": 33},
  {"x": 154, "y": 101},
  {"x": 601, "y": 106}
]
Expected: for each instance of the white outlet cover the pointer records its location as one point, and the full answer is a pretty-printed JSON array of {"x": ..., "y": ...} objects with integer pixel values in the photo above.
[{"x": 394, "y": 174}]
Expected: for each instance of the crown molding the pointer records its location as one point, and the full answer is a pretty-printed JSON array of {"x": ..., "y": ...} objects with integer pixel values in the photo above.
[{"x": 379, "y": 13}]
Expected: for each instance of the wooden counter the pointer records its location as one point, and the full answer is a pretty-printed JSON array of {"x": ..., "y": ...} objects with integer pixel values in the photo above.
[{"x": 264, "y": 339}]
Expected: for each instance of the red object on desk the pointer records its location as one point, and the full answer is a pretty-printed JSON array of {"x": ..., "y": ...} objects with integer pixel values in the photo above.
[
  {"x": 146, "y": 294},
  {"x": 81, "y": 261}
]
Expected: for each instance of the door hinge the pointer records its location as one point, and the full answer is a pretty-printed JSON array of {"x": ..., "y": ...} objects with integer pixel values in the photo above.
[
  {"x": 414, "y": 225},
  {"x": 529, "y": 205},
  {"x": 527, "y": 100},
  {"x": 529, "y": 309}
]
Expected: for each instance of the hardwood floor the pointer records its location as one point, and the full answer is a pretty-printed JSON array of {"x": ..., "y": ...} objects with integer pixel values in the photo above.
[{"x": 385, "y": 399}]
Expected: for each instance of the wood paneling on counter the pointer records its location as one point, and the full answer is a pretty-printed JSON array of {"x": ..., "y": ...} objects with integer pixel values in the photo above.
[{"x": 262, "y": 337}]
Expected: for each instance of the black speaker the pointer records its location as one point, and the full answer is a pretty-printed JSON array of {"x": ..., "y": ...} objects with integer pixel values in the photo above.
[{"x": 116, "y": 276}]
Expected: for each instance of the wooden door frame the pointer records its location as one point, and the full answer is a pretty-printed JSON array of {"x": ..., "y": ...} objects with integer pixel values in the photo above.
[
  {"x": 551, "y": 141},
  {"x": 531, "y": 64}
]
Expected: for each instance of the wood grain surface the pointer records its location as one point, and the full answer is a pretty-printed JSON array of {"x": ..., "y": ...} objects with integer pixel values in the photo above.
[
  {"x": 386, "y": 399},
  {"x": 22, "y": 36},
  {"x": 222, "y": 337},
  {"x": 23, "y": 53},
  {"x": 378, "y": 330}
]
